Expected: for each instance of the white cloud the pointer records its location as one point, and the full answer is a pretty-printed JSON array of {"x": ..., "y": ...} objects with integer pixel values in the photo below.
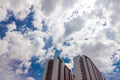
[
  {"x": 6, "y": 69},
  {"x": 67, "y": 3},
  {"x": 3, "y": 13},
  {"x": 100, "y": 53},
  {"x": 20, "y": 8},
  {"x": 30, "y": 78},
  {"x": 73, "y": 25},
  {"x": 22, "y": 47},
  {"x": 111, "y": 12},
  {"x": 11, "y": 26},
  {"x": 3, "y": 45},
  {"x": 38, "y": 16},
  {"x": 48, "y": 6},
  {"x": 93, "y": 30}
]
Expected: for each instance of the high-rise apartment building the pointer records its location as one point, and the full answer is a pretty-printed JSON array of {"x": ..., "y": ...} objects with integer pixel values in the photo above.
[
  {"x": 55, "y": 69},
  {"x": 85, "y": 69}
]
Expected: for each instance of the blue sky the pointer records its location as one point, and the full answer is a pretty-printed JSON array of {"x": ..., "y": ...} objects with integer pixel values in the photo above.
[{"x": 32, "y": 31}]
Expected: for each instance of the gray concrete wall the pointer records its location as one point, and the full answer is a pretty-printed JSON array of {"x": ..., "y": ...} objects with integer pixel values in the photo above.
[
  {"x": 55, "y": 69},
  {"x": 45, "y": 70},
  {"x": 77, "y": 68}
]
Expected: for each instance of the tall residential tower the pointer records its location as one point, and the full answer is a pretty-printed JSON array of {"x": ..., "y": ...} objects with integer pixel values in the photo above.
[
  {"x": 85, "y": 69},
  {"x": 55, "y": 69}
]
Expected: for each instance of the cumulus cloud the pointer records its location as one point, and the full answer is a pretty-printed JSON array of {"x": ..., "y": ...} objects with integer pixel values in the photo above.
[
  {"x": 111, "y": 12},
  {"x": 3, "y": 13},
  {"x": 11, "y": 26},
  {"x": 6, "y": 69},
  {"x": 3, "y": 45},
  {"x": 67, "y": 3},
  {"x": 19, "y": 8},
  {"x": 76, "y": 27},
  {"x": 96, "y": 52},
  {"x": 30, "y": 78},
  {"x": 73, "y": 25},
  {"x": 48, "y": 6}
]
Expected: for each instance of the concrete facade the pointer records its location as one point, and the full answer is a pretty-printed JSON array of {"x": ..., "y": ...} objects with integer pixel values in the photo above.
[
  {"x": 85, "y": 69},
  {"x": 48, "y": 70},
  {"x": 56, "y": 70}
]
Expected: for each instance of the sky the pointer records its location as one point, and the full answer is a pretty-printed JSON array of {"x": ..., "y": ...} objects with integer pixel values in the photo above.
[{"x": 32, "y": 31}]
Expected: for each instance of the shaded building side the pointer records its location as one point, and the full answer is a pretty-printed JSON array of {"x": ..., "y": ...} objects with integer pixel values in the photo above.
[
  {"x": 85, "y": 69},
  {"x": 55, "y": 69}
]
